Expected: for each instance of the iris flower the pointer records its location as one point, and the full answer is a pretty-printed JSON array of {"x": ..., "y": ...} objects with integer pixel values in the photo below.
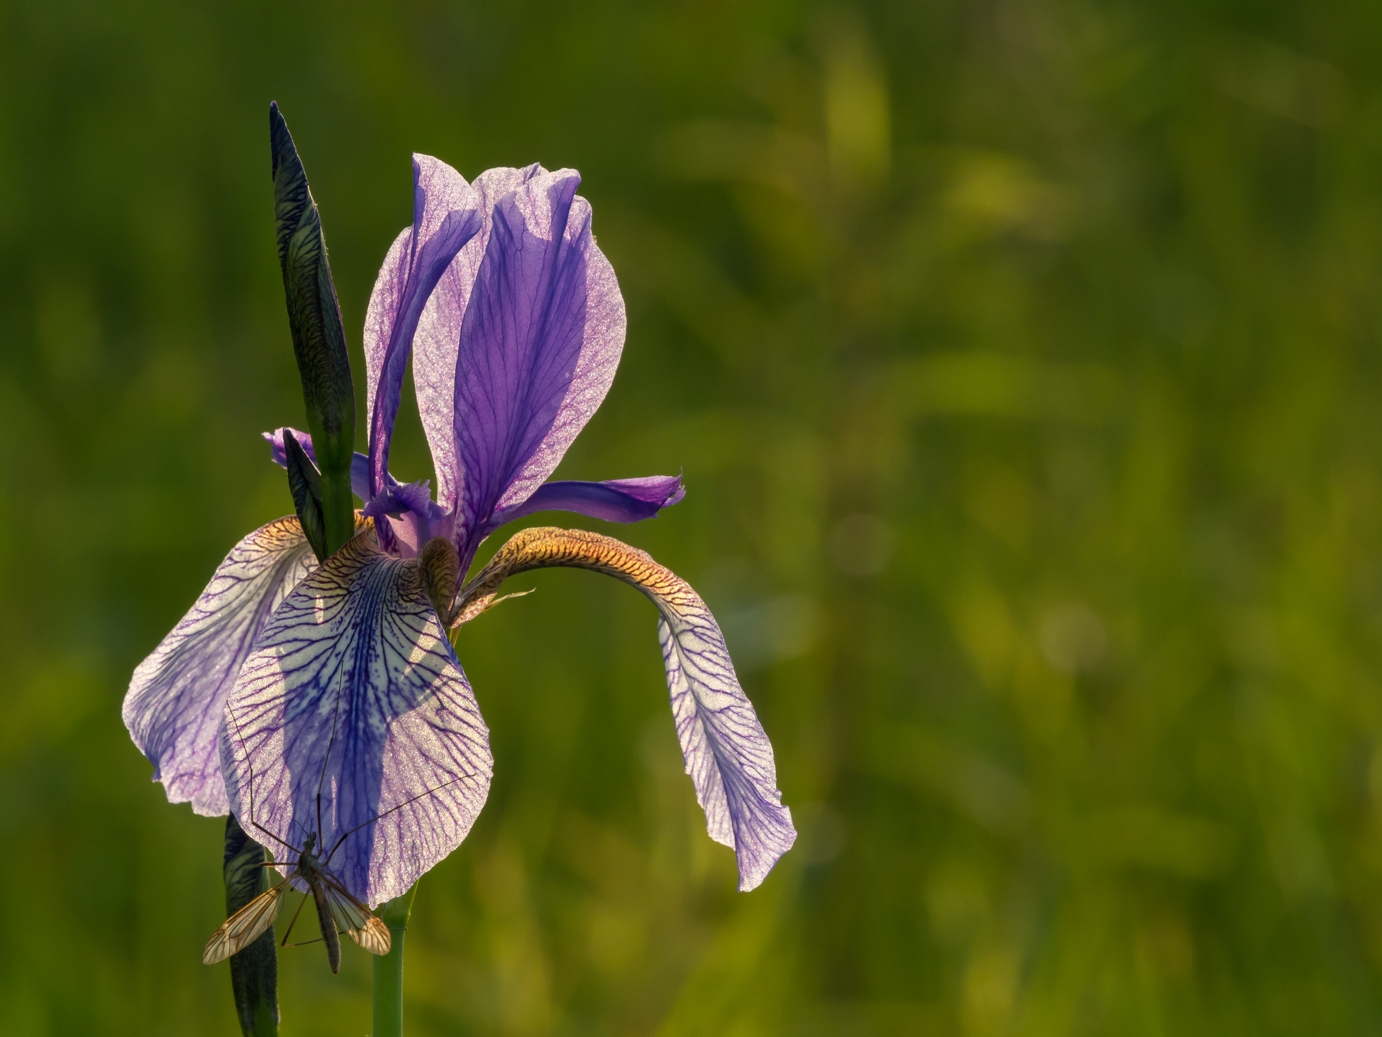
[{"x": 327, "y": 699}]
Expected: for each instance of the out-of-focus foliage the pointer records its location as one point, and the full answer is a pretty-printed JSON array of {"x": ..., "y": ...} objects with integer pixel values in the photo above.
[{"x": 1023, "y": 361}]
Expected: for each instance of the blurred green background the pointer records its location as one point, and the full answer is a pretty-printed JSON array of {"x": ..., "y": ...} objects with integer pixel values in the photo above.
[{"x": 1022, "y": 357}]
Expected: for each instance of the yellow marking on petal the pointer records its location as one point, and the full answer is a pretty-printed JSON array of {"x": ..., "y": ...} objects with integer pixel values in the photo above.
[
  {"x": 545, "y": 546},
  {"x": 726, "y": 752},
  {"x": 483, "y": 604},
  {"x": 440, "y": 567}
]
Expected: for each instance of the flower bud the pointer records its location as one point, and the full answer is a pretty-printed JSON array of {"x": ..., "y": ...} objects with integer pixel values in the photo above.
[{"x": 319, "y": 344}]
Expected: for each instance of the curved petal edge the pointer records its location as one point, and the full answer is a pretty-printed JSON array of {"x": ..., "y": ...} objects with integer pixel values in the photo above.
[
  {"x": 540, "y": 340},
  {"x": 614, "y": 500},
  {"x": 445, "y": 217},
  {"x": 176, "y": 696},
  {"x": 726, "y": 751}
]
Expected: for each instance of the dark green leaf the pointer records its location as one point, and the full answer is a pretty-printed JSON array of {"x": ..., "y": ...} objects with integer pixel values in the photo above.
[
  {"x": 318, "y": 336},
  {"x": 305, "y": 482}
]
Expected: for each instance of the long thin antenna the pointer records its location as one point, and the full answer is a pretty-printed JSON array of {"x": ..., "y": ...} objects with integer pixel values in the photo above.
[
  {"x": 386, "y": 813},
  {"x": 230, "y": 712},
  {"x": 315, "y": 939}
]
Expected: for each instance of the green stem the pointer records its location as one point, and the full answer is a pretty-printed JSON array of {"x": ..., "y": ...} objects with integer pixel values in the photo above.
[{"x": 388, "y": 969}]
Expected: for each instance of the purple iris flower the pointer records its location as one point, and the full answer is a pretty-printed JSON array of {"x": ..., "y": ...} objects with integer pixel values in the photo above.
[{"x": 327, "y": 699}]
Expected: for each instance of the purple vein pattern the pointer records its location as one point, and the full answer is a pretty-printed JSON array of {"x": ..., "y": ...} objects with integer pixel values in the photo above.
[
  {"x": 512, "y": 353},
  {"x": 330, "y": 695},
  {"x": 354, "y": 696},
  {"x": 176, "y": 697},
  {"x": 437, "y": 342},
  {"x": 615, "y": 500},
  {"x": 726, "y": 751},
  {"x": 541, "y": 333},
  {"x": 445, "y": 216}
]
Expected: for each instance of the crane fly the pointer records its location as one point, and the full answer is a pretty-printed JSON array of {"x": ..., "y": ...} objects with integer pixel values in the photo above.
[{"x": 336, "y": 905}]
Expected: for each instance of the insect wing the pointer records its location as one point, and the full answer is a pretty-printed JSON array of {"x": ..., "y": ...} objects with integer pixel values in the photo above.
[
  {"x": 373, "y": 936},
  {"x": 362, "y": 925},
  {"x": 242, "y": 928}
]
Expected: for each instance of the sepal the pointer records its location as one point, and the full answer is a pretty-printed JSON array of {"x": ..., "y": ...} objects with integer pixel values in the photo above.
[
  {"x": 177, "y": 695},
  {"x": 352, "y": 720},
  {"x": 726, "y": 751}
]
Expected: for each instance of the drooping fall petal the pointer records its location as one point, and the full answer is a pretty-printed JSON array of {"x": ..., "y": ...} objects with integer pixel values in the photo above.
[
  {"x": 353, "y": 694},
  {"x": 177, "y": 695},
  {"x": 726, "y": 751}
]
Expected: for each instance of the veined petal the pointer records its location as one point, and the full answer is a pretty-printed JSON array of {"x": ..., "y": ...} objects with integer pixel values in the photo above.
[
  {"x": 540, "y": 341},
  {"x": 727, "y": 753},
  {"x": 445, "y": 217},
  {"x": 438, "y": 339},
  {"x": 615, "y": 500},
  {"x": 353, "y": 699},
  {"x": 177, "y": 695}
]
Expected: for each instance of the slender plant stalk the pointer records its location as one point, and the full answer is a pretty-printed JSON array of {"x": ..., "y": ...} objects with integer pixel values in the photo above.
[
  {"x": 254, "y": 971},
  {"x": 388, "y": 969}
]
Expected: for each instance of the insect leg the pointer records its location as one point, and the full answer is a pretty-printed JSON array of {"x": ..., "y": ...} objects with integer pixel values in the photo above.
[
  {"x": 250, "y": 766},
  {"x": 294, "y": 922}
]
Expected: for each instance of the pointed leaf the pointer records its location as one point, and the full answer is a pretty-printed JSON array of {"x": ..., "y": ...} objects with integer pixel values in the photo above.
[
  {"x": 314, "y": 317},
  {"x": 254, "y": 970}
]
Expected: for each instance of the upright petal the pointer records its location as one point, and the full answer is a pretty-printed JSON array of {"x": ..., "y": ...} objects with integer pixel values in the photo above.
[
  {"x": 351, "y": 720},
  {"x": 438, "y": 338},
  {"x": 614, "y": 500},
  {"x": 727, "y": 753},
  {"x": 540, "y": 342},
  {"x": 176, "y": 698},
  {"x": 445, "y": 216}
]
